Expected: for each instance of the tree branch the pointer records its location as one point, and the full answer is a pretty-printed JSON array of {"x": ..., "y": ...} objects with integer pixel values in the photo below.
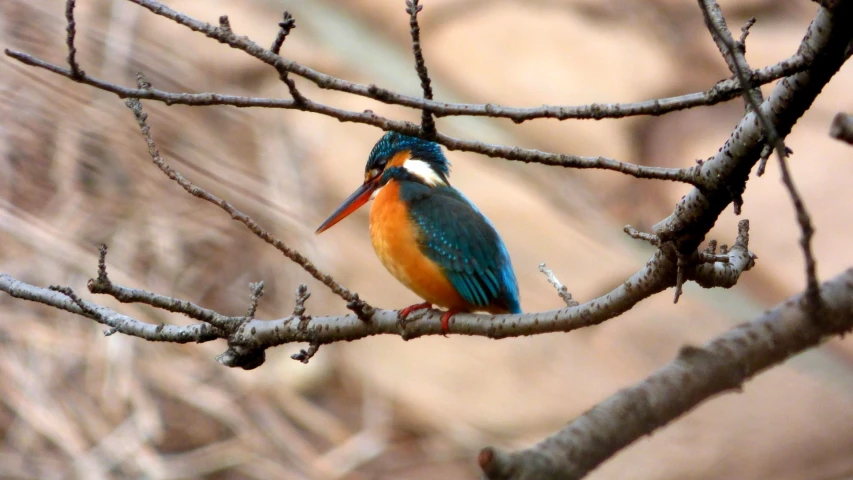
[
  {"x": 842, "y": 127},
  {"x": 594, "y": 111},
  {"x": 354, "y": 303},
  {"x": 254, "y": 334},
  {"x": 735, "y": 58},
  {"x": 198, "y": 333},
  {"x": 245, "y": 334},
  {"x": 427, "y": 122},
  {"x": 827, "y": 38},
  {"x": 724, "y": 270},
  {"x": 685, "y": 175},
  {"x": 562, "y": 291},
  {"x": 70, "y": 33},
  {"x": 695, "y": 375},
  {"x": 723, "y": 91},
  {"x": 733, "y": 54},
  {"x": 285, "y": 26}
]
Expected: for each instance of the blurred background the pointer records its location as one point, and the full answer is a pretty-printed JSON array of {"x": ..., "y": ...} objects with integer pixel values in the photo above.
[{"x": 74, "y": 172}]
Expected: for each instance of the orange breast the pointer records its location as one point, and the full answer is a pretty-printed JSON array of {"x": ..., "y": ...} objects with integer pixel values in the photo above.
[{"x": 395, "y": 241}]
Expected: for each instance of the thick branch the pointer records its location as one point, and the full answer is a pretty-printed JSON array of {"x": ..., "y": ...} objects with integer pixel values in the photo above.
[
  {"x": 827, "y": 38},
  {"x": 697, "y": 374},
  {"x": 252, "y": 334},
  {"x": 734, "y": 54}
]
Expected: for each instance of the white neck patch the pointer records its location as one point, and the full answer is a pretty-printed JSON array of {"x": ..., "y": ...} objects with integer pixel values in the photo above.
[{"x": 422, "y": 170}]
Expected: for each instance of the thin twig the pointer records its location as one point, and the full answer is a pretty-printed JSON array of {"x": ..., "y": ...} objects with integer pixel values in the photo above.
[
  {"x": 733, "y": 52},
  {"x": 632, "y": 232},
  {"x": 203, "y": 332},
  {"x": 842, "y": 127},
  {"x": 103, "y": 285},
  {"x": 710, "y": 258},
  {"x": 806, "y": 233},
  {"x": 721, "y": 92},
  {"x": 740, "y": 45},
  {"x": 765, "y": 155},
  {"x": 225, "y": 24},
  {"x": 102, "y": 265},
  {"x": 680, "y": 276},
  {"x": 427, "y": 122},
  {"x": 305, "y": 355},
  {"x": 562, "y": 291},
  {"x": 737, "y": 64},
  {"x": 68, "y": 292},
  {"x": 71, "y": 33},
  {"x": 257, "y": 289},
  {"x": 364, "y": 309},
  {"x": 744, "y": 32},
  {"x": 302, "y": 295},
  {"x": 170, "y": 304},
  {"x": 724, "y": 270},
  {"x": 285, "y": 26}
]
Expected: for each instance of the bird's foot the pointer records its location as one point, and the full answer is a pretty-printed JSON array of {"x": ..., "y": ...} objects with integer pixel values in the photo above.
[
  {"x": 403, "y": 315},
  {"x": 445, "y": 319}
]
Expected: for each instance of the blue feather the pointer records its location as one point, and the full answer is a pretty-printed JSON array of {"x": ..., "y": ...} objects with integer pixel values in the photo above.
[
  {"x": 462, "y": 241},
  {"x": 392, "y": 143}
]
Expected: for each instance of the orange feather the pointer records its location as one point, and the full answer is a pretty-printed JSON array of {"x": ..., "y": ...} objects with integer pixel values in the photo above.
[{"x": 394, "y": 238}]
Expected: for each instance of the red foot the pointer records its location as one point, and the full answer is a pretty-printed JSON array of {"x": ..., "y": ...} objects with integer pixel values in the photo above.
[
  {"x": 445, "y": 319},
  {"x": 404, "y": 313}
]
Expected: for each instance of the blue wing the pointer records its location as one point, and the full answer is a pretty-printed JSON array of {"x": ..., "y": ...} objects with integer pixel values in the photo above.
[{"x": 454, "y": 234}]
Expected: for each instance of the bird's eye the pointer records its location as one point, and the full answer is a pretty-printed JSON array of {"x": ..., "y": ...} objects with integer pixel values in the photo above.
[{"x": 371, "y": 174}]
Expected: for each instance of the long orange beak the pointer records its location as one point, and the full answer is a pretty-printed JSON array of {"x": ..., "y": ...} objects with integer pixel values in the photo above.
[{"x": 358, "y": 198}]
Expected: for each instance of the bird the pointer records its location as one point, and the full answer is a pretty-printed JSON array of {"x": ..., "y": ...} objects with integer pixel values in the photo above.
[{"x": 427, "y": 234}]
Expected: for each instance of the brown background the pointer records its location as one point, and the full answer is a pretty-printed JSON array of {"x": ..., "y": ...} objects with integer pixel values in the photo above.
[{"x": 75, "y": 173}]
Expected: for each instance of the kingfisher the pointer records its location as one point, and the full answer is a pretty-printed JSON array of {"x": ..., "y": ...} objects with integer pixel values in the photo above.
[{"x": 427, "y": 234}]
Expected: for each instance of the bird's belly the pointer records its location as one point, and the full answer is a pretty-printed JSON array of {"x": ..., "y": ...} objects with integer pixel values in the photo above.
[{"x": 394, "y": 239}]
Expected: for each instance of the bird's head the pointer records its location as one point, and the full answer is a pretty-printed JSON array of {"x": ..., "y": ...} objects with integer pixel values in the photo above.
[{"x": 395, "y": 157}]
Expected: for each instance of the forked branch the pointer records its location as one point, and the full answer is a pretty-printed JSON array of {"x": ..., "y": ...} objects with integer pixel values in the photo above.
[{"x": 694, "y": 376}]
